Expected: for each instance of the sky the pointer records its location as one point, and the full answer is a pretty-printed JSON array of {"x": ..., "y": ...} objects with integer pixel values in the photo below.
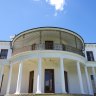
[{"x": 76, "y": 15}]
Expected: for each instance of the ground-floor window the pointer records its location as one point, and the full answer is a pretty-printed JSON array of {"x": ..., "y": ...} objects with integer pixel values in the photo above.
[
  {"x": 49, "y": 80},
  {"x": 93, "y": 84},
  {"x": 31, "y": 82},
  {"x": 1, "y": 82},
  {"x": 66, "y": 81}
]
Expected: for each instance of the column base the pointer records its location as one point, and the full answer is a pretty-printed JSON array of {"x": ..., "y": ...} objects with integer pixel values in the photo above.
[
  {"x": 17, "y": 93},
  {"x": 6, "y": 94},
  {"x": 83, "y": 93},
  {"x": 64, "y": 92},
  {"x": 38, "y": 92}
]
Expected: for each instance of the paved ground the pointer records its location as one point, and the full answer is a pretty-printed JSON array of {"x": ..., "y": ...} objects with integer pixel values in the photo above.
[{"x": 48, "y": 95}]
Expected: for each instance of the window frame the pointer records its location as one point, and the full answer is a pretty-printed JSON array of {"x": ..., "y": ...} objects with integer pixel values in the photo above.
[
  {"x": 90, "y": 56},
  {"x": 3, "y": 55}
]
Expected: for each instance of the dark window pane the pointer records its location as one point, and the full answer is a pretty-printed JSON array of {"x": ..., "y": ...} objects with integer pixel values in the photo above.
[
  {"x": 49, "y": 81},
  {"x": 66, "y": 81},
  {"x": 4, "y": 53},
  {"x": 48, "y": 45},
  {"x": 33, "y": 46},
  {"x": 92, "y": 78},
  {"x": 90, "y": 56},
  {"x": 31, "y": 82}
]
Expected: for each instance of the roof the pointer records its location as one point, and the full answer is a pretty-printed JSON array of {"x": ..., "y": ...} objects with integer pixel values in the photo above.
[{"x": 48, "y": 27}]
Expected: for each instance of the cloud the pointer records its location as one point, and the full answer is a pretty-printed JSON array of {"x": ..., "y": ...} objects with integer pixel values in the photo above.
[{"x": 58, "y": 4}]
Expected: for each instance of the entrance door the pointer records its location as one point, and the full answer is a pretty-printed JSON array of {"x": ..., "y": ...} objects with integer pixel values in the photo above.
[
  {"x": 49, "y": 80},
  {"x": 31, "y": 82},
  {"x": 49, "y": 45},
  {"x": 66, "y": 81}
]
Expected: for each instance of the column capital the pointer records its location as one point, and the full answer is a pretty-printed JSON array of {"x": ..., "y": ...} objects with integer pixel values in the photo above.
[
  {"x": 85, "y": 66},
  {"x": 10, "y": 65},
  {"x": 20, "y": 62},
  {"x": 78, "y": 62},
  {"x": 93, "y": 68},
  {"x": 61, "y": 57}
]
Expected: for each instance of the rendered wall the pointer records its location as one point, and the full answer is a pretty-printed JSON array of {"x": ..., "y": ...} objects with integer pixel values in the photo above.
[{"x": 73, "y": 82}]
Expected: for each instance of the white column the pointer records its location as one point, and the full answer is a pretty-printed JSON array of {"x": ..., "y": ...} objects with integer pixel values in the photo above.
[
  {"x": 88, "y": 81},
  {"x": 39, "y": 76},
  {"x": 9, "y": 79},
  {"x": 19, "y": 80},
  {"x": 1, "y": 73},
  {"x": 80, "y": 78},
  {"x": 62, "y": 75},
  {"x": 94, "y": 75}
]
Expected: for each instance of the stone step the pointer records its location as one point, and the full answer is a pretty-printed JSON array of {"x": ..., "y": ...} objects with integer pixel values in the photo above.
[{"x": 48, "y": 95}]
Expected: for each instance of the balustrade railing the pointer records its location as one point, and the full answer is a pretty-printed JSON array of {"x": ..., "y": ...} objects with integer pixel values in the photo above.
[{"x": 43, "y": 47}]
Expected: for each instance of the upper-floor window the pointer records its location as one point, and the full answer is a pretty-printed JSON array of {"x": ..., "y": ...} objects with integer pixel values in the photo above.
[
  {"x": 90, "y": 56},
  {"x": 92, "y": 77},
  {"x": 33, "y": 46},
  {"x": 3, "y": 54},
  {"x": 49, "y": 45}
]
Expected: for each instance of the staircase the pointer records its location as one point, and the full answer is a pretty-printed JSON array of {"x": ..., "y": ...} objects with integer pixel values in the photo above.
[{"x": 52, "y": 94}]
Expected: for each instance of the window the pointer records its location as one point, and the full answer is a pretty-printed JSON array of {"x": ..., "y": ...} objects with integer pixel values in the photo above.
[
  {"x": 48, "y": 45},
  {"x": 66, "y": 81},
  {"x": 3, "y": 54},
  {"x": 49, "y": 80},
  {"x": 90, "y": 56},
  {"x": 92, "y": 78},
  {"x": 31, "y": 82},
  {"x": 33, "y": 46}
]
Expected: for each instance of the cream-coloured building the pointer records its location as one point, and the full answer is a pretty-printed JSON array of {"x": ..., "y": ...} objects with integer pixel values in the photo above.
[{"x": 47, "y": 60}]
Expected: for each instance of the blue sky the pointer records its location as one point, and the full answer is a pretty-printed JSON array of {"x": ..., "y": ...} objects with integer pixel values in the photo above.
[{"x": 77, "y": 15}]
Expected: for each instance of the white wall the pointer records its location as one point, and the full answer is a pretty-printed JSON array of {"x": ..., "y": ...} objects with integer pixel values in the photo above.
[
  {"x": 73, "y": 82},
  {"x": 74, "y": 86},
  {"x": 6, "y": 45},
  {"x": 54, "y": 66},
  {"x": 91, "y": 47},
  {"x": 5, "y": 81}
]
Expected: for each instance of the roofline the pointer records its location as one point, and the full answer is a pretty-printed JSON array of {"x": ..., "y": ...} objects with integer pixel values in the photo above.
[
  {"x": 4, "y": 41},
  {"x": 90, "y": 43},
  {"x": 37, "y": 28}
]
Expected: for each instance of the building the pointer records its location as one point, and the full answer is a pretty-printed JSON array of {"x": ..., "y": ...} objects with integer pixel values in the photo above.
[{"x": 47, "y": 60}]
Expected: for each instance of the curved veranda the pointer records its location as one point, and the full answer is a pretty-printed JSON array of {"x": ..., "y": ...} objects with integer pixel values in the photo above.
[
  {"x": 47, "y": 60},
  {"x": 48, "y": 39},
  {"x": 47, "y": 72}
]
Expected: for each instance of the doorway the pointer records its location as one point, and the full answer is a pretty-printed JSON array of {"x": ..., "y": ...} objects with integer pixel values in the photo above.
[
  {"x": 49, "y": 81},
  {"x": 48, "y": 45},
  {"x": 66, "y": 81},
  {"x": 31, "y": 82}
]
